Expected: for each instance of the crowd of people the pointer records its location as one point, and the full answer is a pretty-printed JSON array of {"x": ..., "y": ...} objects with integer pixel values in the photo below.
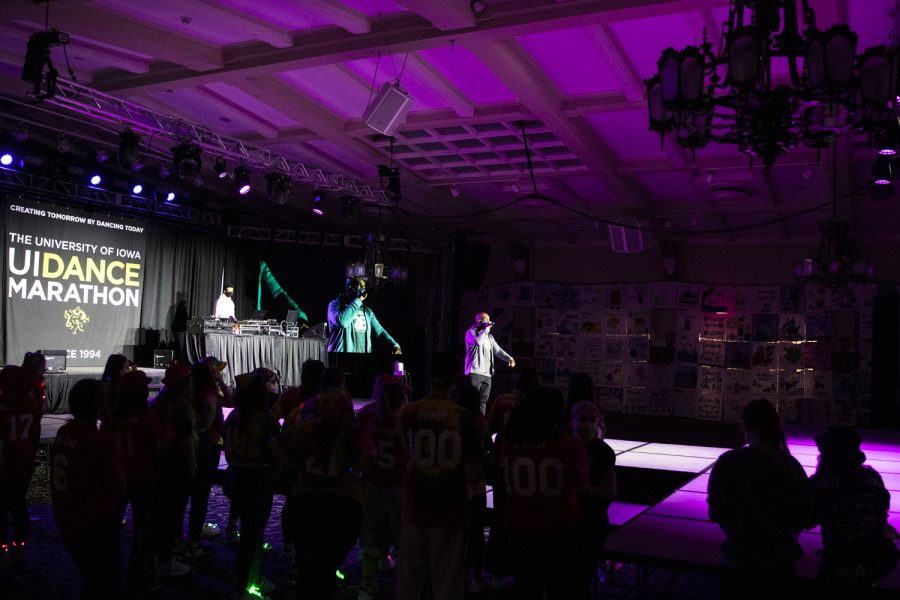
[{"x": 406, "y": 480}]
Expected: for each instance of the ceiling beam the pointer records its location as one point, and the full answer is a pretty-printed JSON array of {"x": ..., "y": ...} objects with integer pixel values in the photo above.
[
  {"x": 343, "y": 16},
  {"x": 509, "y": 64},
  {"x": 297, "y": 107},
  {"x": 439, "y": 84},
  {"x": 234, "y": 111},
  {"x": 443, "y": 14},
  {"x": 604, "y": 41},
  {"x": 118, "y": 31},
  {"x": 408, "y": 33}
]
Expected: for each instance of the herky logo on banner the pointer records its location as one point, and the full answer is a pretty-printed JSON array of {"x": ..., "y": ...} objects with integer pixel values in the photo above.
[{"x": 73, "y": 282}]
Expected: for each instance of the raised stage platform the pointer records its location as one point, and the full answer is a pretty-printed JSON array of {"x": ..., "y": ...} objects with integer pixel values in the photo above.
[{"x": 58, "y": 385}]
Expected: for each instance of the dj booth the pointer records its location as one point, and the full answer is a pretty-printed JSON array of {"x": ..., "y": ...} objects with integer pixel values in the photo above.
[{"x": 246, "y": 345}]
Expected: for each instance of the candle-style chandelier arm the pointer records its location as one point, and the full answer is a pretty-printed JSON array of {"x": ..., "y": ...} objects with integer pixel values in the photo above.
[{"x": 732, "y": 96}]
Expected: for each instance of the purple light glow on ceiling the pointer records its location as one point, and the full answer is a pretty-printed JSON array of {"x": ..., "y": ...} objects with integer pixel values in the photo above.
[
  {"x": 467, "y": 73},
  {"x": 571, "y": 61},
  {"x": 340, "y": 92},
  {"x": 644, "y": 39}
]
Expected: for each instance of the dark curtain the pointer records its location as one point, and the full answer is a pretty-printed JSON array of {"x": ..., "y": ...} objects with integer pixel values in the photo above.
[
  {"x": 186, "y": 265},
  {"x": 4, "y": 359}
]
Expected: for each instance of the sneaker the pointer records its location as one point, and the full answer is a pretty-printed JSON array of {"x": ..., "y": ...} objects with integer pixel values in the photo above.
[
  {"x": 211, "y": 530},
  {"x": 479, "y": 585},
  {"x": 266, "y": 587},
  {"x": 245, "y": 595},
  {"x": 197, "y": 550},
  {"x": 179, "y": 546},
  {"x": 172, "y": 567}
]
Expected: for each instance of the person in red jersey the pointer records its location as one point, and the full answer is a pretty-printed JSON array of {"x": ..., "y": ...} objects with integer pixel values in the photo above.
[
  {"x": 331, "y": 450},
  {"x": 589, "y": 427},
  {"x": 444, "y": 470},
  {"x": 138, "y": 436},
  {"x": 87, "y": 485},
  {"x": 543, "y": 466},
  {"x": 382, "y": 486},
  {"x": 209, "y": 420},
  {"x": 34, "y": 366},
  {"x": 176, "y": 466},
  {"x": 251, "y": 477},
  {"x": 20, "y": 429}
]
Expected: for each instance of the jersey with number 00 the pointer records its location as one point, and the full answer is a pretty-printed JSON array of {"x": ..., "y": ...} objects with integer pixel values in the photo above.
[
  {"x": 390, "y": 451},
  {"x": 85, "y": 467},
  {"x": 441, "y": 439},
  {"x": 542, "y": 482}
]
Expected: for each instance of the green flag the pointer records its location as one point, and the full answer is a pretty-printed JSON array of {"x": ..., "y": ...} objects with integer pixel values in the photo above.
[{"x": 267, "y": 281}]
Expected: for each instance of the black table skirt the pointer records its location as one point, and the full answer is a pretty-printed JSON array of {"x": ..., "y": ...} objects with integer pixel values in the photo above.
[{"x": 243, "y": 353}]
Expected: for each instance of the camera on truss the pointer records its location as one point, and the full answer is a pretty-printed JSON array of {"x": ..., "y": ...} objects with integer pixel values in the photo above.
[
  {"x": 37, "y": 57},
  {"x": 389, "y": 178}
]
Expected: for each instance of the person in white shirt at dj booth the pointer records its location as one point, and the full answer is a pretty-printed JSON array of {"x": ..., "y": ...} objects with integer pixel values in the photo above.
[
  {"x": 351, "y": 324},
  {"x": 225, "y": 305}
]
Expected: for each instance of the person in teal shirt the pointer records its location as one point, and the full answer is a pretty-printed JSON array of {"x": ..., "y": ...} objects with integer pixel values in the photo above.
[{"x": 351, "y": 324}]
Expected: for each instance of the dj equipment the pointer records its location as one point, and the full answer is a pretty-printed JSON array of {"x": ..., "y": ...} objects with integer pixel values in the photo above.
[
  {"x": 316, "y": 332},
  {"x": 162, "y": 358},
  {"x": 56, "y": 361}
]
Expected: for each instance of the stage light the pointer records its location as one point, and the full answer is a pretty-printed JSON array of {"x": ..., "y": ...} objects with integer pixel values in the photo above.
[
  {"x": 137, "y": 189},
  {"x": 164, "y": 171},
  {"x": 102, "y": 156},
  {"x": 96, "y": 179},
  {"x": 882, "y": 171},
  {"x": 6, "y": 159},
  {"x": 129, "y": 146},
  {"x": 170, "y": 197},
  {"x": 186, "y": 159},
  {"x": 242, "y": 180},
  {"x": 63, "y": 145},
  {"x": 278, "y": 187},
  {"x": 221, "y": 168},
  {"x": 317, "y": 206},
  {"x": 137, "y": 165}
]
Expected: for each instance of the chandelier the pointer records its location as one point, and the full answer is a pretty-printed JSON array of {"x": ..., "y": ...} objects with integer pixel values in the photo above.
[
  {"x": 377, "y": 267},
  {"x": 834, "y": 263},
  {"x": 732, "y": 96}
]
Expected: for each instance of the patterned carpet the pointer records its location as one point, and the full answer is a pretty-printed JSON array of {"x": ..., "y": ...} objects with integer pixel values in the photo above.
[{"x": 48, "y": 572}]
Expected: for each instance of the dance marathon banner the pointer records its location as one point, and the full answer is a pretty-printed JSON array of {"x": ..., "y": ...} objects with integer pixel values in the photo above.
[{"x": 73, "y": 282}]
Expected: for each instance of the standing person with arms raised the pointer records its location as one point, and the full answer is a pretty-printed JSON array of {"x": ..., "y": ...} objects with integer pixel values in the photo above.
[
  {"x": 481, "y": 348},
  {"x": 351, "y": 324}
]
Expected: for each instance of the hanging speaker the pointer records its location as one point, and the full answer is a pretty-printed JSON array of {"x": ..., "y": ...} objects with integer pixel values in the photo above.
[
  {"x": 626, "y": 239},
  {"x": 388, "y": 109}
]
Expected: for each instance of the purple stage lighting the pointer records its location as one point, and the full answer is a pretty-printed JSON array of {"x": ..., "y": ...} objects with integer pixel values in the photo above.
[
  {"x": 244, "y": 189},
  {"x": 317, "y": 206},
  {"x": 170, "y": 197},
  {"x": 6, "y": 159},
  {"x": 137, "y": 189},
  {"x": 96, "y": 179}
]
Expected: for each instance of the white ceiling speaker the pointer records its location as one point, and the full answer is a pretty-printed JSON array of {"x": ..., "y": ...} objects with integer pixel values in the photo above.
[{"x": 388, "y": 109}]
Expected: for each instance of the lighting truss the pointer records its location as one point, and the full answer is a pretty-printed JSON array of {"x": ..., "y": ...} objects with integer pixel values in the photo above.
[
  {"x": 319, "y": 238},
  {"x": 86, "y": 101},
  {"x": 43, "y": 187}
]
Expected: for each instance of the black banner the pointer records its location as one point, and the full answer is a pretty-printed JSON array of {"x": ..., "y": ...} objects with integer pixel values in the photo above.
[{"x": 73, "y": 282}]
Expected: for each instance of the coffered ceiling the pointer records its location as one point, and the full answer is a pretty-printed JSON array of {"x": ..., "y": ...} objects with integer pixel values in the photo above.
[{"x": 295, "y": 76}]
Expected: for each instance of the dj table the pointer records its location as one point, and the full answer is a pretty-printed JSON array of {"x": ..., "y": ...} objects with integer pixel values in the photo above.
[{"x": 243, "y": 353}]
